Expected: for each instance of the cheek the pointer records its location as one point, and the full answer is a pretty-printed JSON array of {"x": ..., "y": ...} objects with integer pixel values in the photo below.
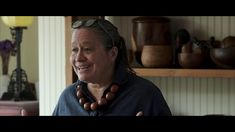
[{"x": 71, "y": 59}]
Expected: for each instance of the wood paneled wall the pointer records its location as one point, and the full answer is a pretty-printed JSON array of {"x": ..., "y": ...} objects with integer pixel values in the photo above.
[{"x": 193, "y": 96}]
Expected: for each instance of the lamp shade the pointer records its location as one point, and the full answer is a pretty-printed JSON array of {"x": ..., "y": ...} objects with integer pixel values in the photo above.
[{"x": 17, "y": 21}]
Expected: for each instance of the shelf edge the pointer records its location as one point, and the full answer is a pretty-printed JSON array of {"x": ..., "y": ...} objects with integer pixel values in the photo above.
[{"x": 161, "y": 72}]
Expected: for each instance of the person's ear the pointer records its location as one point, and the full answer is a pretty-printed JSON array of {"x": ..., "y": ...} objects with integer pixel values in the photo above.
[{"x": 114, "y": 52}]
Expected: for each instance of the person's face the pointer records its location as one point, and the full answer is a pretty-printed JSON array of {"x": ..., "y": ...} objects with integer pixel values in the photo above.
[{"x": 89, "y": 58}]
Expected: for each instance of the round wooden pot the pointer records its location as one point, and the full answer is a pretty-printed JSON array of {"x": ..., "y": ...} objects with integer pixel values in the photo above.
[{"x": 157, "y": 56}]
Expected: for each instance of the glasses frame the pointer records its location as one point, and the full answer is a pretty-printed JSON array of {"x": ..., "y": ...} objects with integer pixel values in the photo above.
[{"x": 89, "y": 23}]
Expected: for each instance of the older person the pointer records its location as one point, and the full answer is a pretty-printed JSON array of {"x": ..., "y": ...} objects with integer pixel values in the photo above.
[{"x": 106, "y": 85}]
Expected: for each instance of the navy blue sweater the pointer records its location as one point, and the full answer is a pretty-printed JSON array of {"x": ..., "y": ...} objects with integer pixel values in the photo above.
[{"x": 135, "y": 94}]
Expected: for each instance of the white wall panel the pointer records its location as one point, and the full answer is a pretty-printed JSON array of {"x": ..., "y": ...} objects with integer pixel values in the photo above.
[
  {"x": 198, "y": 96},
  {"x": 51, "y": 61}
]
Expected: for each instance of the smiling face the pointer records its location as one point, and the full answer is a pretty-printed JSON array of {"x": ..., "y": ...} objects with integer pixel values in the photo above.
[{"x": 89, "y": 58}]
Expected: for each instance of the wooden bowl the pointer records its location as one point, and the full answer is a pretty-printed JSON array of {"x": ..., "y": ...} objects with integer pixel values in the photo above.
[
  {"x": 157, "y": 56},
  {"x": 190, "y": 60},
  {"x": 223, "y": 57},
  {"x": 228, "y": 42}
]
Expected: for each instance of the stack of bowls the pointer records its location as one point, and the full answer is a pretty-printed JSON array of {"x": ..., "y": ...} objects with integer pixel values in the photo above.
[
  {"x": 191, "y": 56},
  {"x": 150, "y": 38}
]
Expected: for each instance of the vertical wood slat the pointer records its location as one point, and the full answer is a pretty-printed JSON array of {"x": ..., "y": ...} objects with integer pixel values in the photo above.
[
  {"x": 124, "y": 25},
  {"x": 183, "y": 95},
  {"x": 170, "y": 95},
  {"x": 225, "y": 99},
  {"x": 190, "y": 96},
  {"x": 69, "y": 70},
  {"x": 203, "y": 96},
  {"x": 51, "y": 61},
  {"x": 176, "y": 97},
  {"x": 232, "y": 25},
  {"x": 197, "y": 96},
  {"x": 210, "y": 96},
  {"x": 231, "y": 96},
  {"x": 204, "y": 27},
  {"x": 211, "y": 27},
  {"x": 217, "y": 94}
]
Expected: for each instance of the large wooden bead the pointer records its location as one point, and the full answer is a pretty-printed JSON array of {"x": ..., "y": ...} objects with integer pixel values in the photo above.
[
  {"x": 102, "y": 101},
  {"x": 109, "y": 96},
  {"x": 79, "y": 93},
  {"x": 94, "y": 105},
  {"x": 82, "y": 101},
  {"x": 87, "y": 106},
  {"x": 78, "y": 87},
  {"x": 114, "y": 88}
]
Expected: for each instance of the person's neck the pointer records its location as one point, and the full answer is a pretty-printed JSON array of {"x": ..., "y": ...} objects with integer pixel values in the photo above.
[{"x": 97, "y": 90}]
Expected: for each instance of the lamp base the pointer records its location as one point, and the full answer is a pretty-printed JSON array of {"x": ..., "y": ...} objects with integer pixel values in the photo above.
[{"x": 25, "y": 92}]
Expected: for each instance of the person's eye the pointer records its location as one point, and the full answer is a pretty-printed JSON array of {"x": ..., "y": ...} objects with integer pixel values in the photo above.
[
  {"x": 75, "y": 50},
  {"x": 87, "y": 50}
]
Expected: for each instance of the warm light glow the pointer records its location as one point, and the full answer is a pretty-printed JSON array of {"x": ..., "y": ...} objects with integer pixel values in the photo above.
[{"x": 17, "y": 21}]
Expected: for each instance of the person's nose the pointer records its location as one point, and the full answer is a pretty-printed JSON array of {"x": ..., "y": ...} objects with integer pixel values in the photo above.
[{"x": 80, "y": 56}]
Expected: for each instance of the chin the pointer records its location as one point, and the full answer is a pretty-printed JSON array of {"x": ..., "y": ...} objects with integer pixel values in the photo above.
[{"x": 84, "y": 79}]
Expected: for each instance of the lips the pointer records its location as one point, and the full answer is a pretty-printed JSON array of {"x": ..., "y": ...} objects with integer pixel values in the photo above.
[{"x": 82, "y": 67}]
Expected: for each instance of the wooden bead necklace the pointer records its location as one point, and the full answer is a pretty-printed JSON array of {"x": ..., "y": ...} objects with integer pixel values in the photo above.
[{"x": 102, "y": 102}]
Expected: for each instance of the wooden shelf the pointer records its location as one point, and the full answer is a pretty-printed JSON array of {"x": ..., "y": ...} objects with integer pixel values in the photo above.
[{"x": 162, "y": 72}]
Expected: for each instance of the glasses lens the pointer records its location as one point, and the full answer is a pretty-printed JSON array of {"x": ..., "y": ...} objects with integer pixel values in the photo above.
[
  {"x": 90, "y": 22},
  {"x": 77, "y": 24},
  {"x": 86, "y": 23}
]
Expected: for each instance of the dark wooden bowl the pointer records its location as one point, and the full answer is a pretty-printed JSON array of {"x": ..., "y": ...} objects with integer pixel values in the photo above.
[
  {"x": 223, "y": 57},
  {"x": 228, "y": 42},
  {"x": 190, "y": 60}
]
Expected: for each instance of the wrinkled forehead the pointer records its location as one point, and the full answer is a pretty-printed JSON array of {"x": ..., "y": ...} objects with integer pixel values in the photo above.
[
  {"x": 102, "y": 27},
  {"x": 86, "y": 34}
]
